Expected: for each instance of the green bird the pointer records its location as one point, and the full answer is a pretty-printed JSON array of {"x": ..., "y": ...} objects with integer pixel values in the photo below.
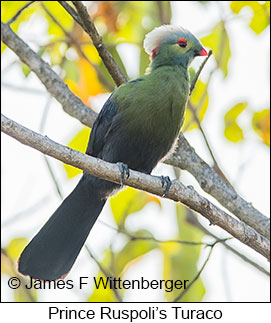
[{"x": 137, "y": 126}]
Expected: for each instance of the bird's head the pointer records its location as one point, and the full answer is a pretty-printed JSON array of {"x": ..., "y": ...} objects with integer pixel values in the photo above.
[{"x": 172, "y": 45}]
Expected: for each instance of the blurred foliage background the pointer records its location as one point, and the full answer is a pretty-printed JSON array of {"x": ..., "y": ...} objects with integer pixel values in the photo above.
[{"x": 72, "y": 55}]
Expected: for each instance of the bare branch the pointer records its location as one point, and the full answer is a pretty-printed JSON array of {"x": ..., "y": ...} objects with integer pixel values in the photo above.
[
  {"x": 73, "y": 13},
  {"x": 152, "y": 184},
  {"x": 184, "y": 156},
  {"x": 19, "y": 12},
  {"x": 107, "y": 58}
]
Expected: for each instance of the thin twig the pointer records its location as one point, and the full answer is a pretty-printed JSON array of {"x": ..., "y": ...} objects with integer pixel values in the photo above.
[
  {"x": 53, "y": 177},
  {"x": 26, "y": 212},
  {"x": 176, "y": 299},
  {"x": 13, "y": 87},
  {"x": 194, "y": 221},
  {"x": 133, "y": 237},
  {"x": 105, "y": 272},
  {"x": 19, "y": 12},
  {"x": 216, "y": 167},
  {"x": 193, "y": 83}
]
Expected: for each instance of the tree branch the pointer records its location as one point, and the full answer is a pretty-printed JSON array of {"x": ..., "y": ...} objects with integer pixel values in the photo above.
[
  {"x": 184, "y": 156},
  {"x": 19, "y": 12},
  {"x": 53, "y": 83},
  {"x": 107, "y": 58},
  {"x": 152, "y": 184},
  {"x": 73, "y": 41}
]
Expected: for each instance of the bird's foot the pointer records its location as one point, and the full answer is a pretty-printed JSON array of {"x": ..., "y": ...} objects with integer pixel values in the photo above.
[
  {"x": 165, "y": 181},
  {"x": 124, "y": 170}
]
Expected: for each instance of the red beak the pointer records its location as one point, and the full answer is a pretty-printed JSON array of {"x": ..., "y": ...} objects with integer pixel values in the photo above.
[{"x": 203, "y": 52}]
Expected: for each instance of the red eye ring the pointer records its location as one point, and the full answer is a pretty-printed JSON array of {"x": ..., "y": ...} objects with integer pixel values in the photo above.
[{"x": 182, "y": 42}]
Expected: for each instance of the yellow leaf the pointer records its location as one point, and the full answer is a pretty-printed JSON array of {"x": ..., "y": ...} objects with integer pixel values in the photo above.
[
  {"x": 79, "y": 142},
  {"x": 91, "y": 53},
  {"x": 6, "y": 264},
  {"x": 132, "y": 251},
  {"x": 261, "y": 125},
  {"x": 199, "y": 100},
  {"x": 3, "y": 47},
  {"x": 180, "y": 260},
  {"x": 88, "y": 84},
  {"x": 15, "y": 247},
  {"x": 10, "y": 8},
  {"x": 101, "y": 294},
  {"x": 218, "y": 40},
  {"x": 232, "y": 130},
  {"x": 61, "y": 15},
  {"x": 235, "y": 111},
  {"x": 261, "y": 13},
  {"x": 129, "y": 201}
]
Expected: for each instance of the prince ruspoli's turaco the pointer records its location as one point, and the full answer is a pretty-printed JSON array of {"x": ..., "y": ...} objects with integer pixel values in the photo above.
[{"x": 136, "y": 127}]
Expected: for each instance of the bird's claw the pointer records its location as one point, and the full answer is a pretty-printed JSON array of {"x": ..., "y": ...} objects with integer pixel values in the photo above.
[
  {"x": 124, "y": 170},
  {"x": 165, "y": 181}
]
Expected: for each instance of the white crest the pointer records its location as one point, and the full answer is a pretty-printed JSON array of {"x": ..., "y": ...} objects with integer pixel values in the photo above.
[{"x": 155, "y": 37}]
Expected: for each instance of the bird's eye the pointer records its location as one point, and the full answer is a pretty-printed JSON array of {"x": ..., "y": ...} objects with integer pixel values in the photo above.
[{"x": 182, "y": 42}]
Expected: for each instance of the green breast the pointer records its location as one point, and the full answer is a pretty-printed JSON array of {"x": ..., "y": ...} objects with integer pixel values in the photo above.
[{"x": 154, "y": 105}]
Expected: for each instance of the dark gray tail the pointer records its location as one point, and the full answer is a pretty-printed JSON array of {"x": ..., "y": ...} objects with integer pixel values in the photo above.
[{"x": 52, "y": 252}]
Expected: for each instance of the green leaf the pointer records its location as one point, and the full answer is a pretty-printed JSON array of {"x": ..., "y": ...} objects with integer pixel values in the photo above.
[
  {"x": 25, "y": 69},
  {"x": 144, "y": 61},
  {"x": 129, "y": 201},
  {"x": 232, "y": 130},
  {"x": 79, "y": 142},
  {"x": 71, "y": 70},
  {"x": 180, "y": 260},
  {"x": 132, "y": 251},
  {"x": 261, "y": 125},
  {"x": 22, "y": 294},
  {"x": 261, "y": 13},
  {"x": 218, "y": 40}
]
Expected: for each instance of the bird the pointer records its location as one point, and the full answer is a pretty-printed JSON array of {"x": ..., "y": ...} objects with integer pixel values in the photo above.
[{"x": 137, "y": 127}]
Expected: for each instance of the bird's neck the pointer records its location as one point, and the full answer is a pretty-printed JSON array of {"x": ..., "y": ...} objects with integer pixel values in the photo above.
[
  {"x": 181, "y": 62},
  {"x": 172, "y": 73}
]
